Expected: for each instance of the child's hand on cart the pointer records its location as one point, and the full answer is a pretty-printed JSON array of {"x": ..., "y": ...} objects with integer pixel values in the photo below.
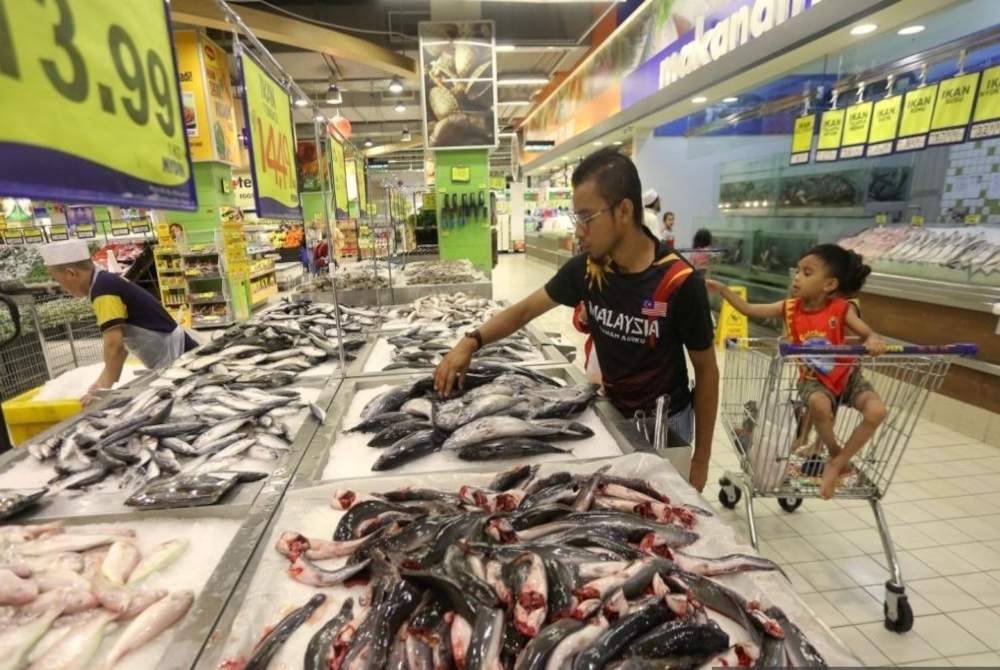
[
  {"x": 875, "y": 345},
  {"x": 714, "y": 285}
]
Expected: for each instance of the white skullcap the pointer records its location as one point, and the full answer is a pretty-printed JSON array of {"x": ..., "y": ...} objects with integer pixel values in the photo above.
[
  {"x": 649, "y": 197},
  {"x": 67, "y": 251}
]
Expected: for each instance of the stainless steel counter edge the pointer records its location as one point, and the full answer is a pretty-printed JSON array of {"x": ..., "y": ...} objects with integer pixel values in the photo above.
[{"x": 963, "y": 296}]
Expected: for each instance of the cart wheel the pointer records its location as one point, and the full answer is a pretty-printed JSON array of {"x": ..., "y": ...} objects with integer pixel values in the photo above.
[
  {"x": 904, "y": 615},
  {"x": 790, "y": 504},
  {"x": 729, "y": 495}
]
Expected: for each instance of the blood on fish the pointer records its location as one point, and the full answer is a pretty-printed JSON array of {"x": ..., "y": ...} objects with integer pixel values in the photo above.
[
  {"x": 346, "y": 499},
  {"x": 648, "y": 545}
]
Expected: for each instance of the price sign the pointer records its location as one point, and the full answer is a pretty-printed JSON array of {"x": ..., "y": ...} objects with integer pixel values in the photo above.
[
  {"x": 13, "y": 237},
  {"x": 120, "y": 228},
  {"x": 139, "y": 227},
  {"x": 33, "y": 235},
  {"x": 917, "y": 220},
  {"x": 918, "y": 109},
  {"x": 857, "y": 122},
  {"x": 802, "y": 137},
  {"x": 953, "y": 111},
  {"x": 86, "y": 231},
  {"x": 272, "y": 142},
  {"x": 885, "y": 123},
  {"x": 58, "y": 233},
  {"x": 92, "y": 109},
  {"x": 986, "y": 120},
  {"x": 831, "y": 129},
  {"x": 339, "y": 173},
  {"x": 973, "y": 219},
  {"x": 881, "y": 219}
]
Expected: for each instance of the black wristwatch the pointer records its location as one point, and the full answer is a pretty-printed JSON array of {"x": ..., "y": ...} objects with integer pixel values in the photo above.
[{"x": 477, "y": 336}]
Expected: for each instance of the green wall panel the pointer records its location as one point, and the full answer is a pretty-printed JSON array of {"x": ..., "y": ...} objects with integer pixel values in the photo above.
[{"x": 468, "y": 238}]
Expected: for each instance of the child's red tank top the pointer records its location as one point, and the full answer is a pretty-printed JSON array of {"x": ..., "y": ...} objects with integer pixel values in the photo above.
[{"x": 821, "y": 327}]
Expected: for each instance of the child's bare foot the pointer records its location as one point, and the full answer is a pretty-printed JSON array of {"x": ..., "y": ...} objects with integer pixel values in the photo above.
[{"x": 835, "y": 469}]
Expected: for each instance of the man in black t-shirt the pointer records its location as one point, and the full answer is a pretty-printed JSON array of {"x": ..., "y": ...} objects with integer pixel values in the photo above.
[{"x": 645, "y": 306}]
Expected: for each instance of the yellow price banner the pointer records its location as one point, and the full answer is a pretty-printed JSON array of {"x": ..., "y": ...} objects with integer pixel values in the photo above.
[
  {"x": 86, "y": 231},
  {"x": 831, "y": 129},
  {"x": 58, "y": 232},
  {"x": 267, "y": 108},
  {"x": 986, "y": 119},
  {"x": 973, "y": 219},
  {"x": 802, "y": 137},
  {"x": 915, "y": 123},
  {"x": 881, "y": 219},
  {"x": 885, "y": 124},
  {"x": 91, "y": 107},
  {"x": 917, "y": 220},
  {"x": 857, "y": 122},
  {"x": 339, "y": 172},
  {"x": 953, "y": 111}
]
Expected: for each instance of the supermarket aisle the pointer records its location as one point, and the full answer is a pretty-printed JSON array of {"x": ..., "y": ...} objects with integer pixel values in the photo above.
[{"x": 944, "y": 513}]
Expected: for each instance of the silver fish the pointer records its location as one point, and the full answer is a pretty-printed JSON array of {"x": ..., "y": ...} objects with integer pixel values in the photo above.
[
  {"x": 122, "y": 558},
  {"x": 17, "y": 641},
  {"x": 78, "y": 647},
  {"x": 158, "y": 617},
  {"x": 160, "y": 557}
]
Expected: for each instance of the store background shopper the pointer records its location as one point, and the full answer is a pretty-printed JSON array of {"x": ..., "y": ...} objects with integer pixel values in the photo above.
[
  {"x": 702, "y": 240},
  {"x": 645, "y": 307},
  {"x": 667, "y": 229},
  {"x": 651, "y": 210},
  {"x": 131, "y": 319}
]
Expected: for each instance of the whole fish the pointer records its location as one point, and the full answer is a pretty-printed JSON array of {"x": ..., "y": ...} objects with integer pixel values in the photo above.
[
  {"x": 158, "y": 558},
  {"x": 486, "y": 640},
  {"x": 269, "y": 646},
  {"x": 319, "y": 651},
  {"x": 305, "y": 571},
  {"x": 17, "y": 641},
  {"x": 411, "y": 447},
  {"x": 77, "y": 648},
  {"x": 158, "y": 617},
  {"x": 122, "y": 558},
  {"x": 388, "y": 401},
  {"x": 514, "y": 447},
  {"x": 497, "y": 427},
  {"x": 486, "y": 405},
  {"x": 566, "y": 651},
  {"x": 380, "y": 421},
  {"x": 75, "y": 542},
  {"x": 537, "y": 652},
  {"x": 394, "y": 433}
]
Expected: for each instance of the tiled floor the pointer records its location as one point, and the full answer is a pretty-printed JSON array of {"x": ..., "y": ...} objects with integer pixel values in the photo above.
[{"x": 943, "y": 509}]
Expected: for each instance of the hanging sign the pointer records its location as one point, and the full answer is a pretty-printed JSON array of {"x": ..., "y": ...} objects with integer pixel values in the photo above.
[
  {"x": 139, "y": 227},
  {"x": 58, "y": 232},
  {"x": 986, "y": 119},
  {"x": 120, "y": 228},
  {"x": 885, "y": 123},
  {"x": 91, "y": 107},
  {"x": 802, "y": 137},
  {"x": 831, "y": 130},
  {"x": 915, "y": 122},
  {"x": 917, "y": 220},
  {"x": 206, "y": 99},
  {"x": 33, "y": 235},
  {"x": 953, "y": 111},
  {"x": 339, "y": 173},
  {"x": 362, "y": 184},
  {"x": 86, "y": 231},
  {"x": 857, "y": 121},
  {"x": 973, "y": 219},
  {"x": 13, "y": 237},
  {"x": 881, "y": 219},
  {"x": 267, "y": 109}
]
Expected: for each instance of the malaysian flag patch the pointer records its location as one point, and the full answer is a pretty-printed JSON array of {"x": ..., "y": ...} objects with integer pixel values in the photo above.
[{"x": 654, "y": 308}]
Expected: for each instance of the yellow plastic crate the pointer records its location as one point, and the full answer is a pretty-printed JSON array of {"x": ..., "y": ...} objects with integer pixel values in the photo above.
[{"x": 26, "y": 417}]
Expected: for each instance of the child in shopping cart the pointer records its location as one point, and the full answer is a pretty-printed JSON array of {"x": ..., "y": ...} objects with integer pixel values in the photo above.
[{"x": 816, "y": 314}]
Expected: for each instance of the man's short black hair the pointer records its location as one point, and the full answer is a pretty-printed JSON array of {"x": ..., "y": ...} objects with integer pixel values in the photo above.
[{"x": 615, "y": 176}]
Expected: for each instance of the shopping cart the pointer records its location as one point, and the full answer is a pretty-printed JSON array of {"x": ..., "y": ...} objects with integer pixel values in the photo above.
[{"x": 768, "y": 422}]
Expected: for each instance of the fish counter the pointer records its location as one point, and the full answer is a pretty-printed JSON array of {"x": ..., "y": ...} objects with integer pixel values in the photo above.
[
  {"x": 564, "y": 563},
  {"x": 392, "y": 422}
]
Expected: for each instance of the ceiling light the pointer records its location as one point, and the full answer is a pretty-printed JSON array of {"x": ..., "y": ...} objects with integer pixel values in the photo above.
[
  {"x": 320, "y": 118},
  {"x": 731, "y": 99},
  {"x": 911, "y": 30},
  {"x": 396, "y": 86},
  {"x": 598, "y": 143},
  {"x": 699, "y": 99},
  {"x": 369, "y": 143},
  {"x": 400, "y": 108},
  {"x": 864, "y": 29},
  {"x": 406, "y": 135},
  {"x": 505, "y": 47},
  {"x": 523, "y": 81},
  {"x": 301, "y": 102},
  {"x": 517, "y": 103},
  {"x": 618, "y": 143},
  {"x": 333, "y": 95}
]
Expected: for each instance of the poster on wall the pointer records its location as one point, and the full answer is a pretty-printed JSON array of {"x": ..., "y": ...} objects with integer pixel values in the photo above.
[
  {"x": 110, "y": 70},
  {"x": 802, "y": 137},
  {"x": 831, "y": 129},
  {"x": 267, "y": 109},
  {"x": 339, "y": 172},
  {"x": 953, "y": 109},
  {"x": 458, "y": 84},
  {"x": 885, "y": 124},
  {"x": 207, "y": 99},
  {"x": 986, "y": 119},
  {"x": 915, "y": 122}
]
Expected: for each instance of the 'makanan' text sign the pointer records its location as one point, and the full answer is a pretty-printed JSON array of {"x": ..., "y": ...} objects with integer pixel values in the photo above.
[{"x": 91, "y": 105}]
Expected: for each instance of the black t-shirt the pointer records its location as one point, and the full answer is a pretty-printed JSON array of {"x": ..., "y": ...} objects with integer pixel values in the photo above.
[{"x": 639, "y": 338}]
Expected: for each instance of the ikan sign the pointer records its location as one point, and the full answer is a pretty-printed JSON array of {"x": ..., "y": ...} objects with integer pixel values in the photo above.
[
  {"x": 719, "y": 33},
  {"x": 272, "y": 142},
  {"x": 106, "y": 68}
]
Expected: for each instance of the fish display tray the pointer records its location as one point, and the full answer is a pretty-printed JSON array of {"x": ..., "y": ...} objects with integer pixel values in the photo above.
[
  {"x": 335, "y": 454},
  {"x": 221, "y": 542},
  {"x": 380, "y": 353},
  {"x": 407, "y": 294},
  {"x": 265, "y": 592},
  {"x": 19, "y": 470}
]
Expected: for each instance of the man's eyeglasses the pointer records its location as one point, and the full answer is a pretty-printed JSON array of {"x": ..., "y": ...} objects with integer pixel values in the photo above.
[{"x": 583, "y": 221}]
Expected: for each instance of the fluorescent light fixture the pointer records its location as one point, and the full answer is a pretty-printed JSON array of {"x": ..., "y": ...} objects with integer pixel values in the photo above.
[
  {"x": 320, "y": 118},
  {"x": 618, "y": 143},
  {"x": 699, "y": 99},
  {"x": 910, "y": 30},
  {"x": 301, "y": 102},
  {"x": 369, "y": 143},
  {"x": 864, "y": 29},
  {"x": 598, "y": 143},
  {"x": 406, "y": 135},
  {"x": 506, "y": 47},
  {"x": 333, "y": 96},
  {"x": 523, "y": 81},
  {"x": 516, "y": 103},
  {"x": 400, "y": 107},
  {"x": 731, "y": 99},
  {"x": 396, "y": 86}
]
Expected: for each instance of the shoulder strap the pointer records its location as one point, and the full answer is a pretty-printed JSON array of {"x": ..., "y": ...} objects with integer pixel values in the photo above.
[{"x": 672, "y": 279}]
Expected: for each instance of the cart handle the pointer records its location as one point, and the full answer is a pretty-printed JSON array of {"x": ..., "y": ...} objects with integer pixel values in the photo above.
[{"x": 958, "y": 349}]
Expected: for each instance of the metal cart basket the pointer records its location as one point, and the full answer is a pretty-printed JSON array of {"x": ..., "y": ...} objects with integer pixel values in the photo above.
[{"x": 767, "y": 420}]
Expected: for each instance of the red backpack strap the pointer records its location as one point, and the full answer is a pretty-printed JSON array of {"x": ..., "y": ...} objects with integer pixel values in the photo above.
[{"x": 672, "y": 279}]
